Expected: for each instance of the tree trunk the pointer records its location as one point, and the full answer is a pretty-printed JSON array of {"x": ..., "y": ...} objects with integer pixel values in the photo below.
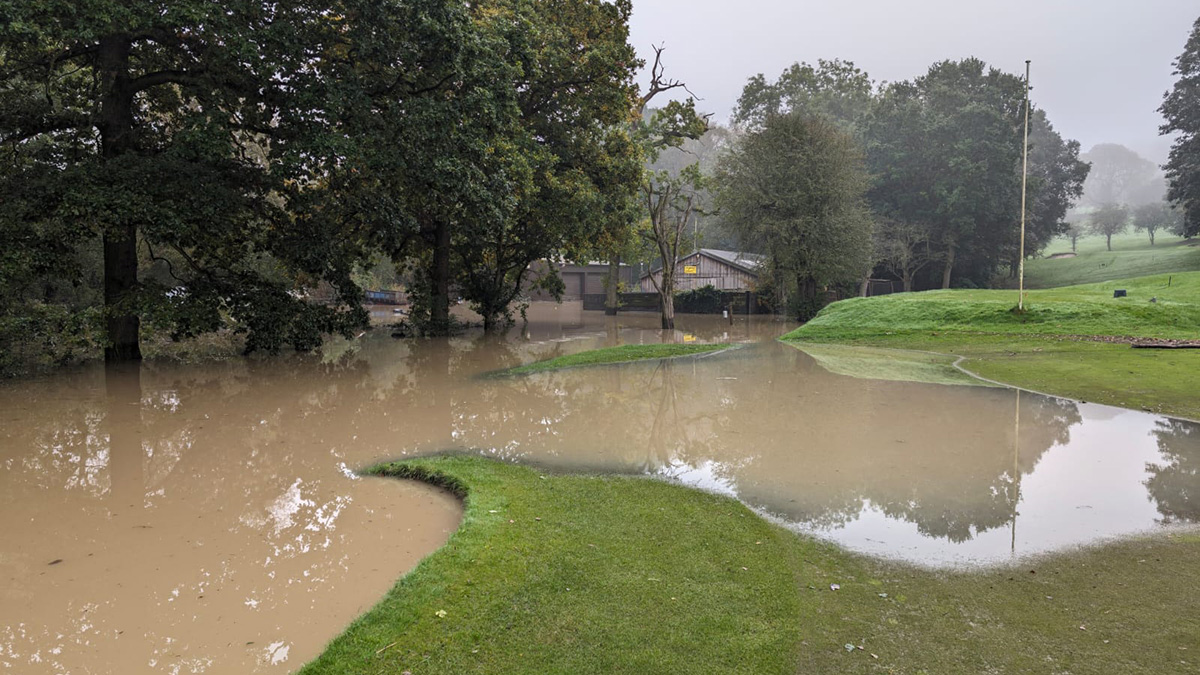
[
  {"x": 120, "y": 283},
  {"x": 666, "y": 294},
  {"x": 949, "y": 266},
  {"x": 907, "y": 279},
  {"x": 865, "y": 286},
  {"x": 611, "y": 297},
  {"x": 1151, "y": 236},
  {"x": 1109, "y": 241},
  {"x": 439, "y": 277},
  {"x": 810, "y": 289},
  {"x": 115, "y": 124}
]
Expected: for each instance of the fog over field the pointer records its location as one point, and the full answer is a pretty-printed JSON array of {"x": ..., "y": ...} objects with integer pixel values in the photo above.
[{"x": 1100, "y": 68}]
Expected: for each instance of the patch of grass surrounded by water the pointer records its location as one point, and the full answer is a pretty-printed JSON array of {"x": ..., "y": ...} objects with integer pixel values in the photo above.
[
  {"x": 553, "y": 573},
  {"x": 606, "y": 355},
  {"x": 1048, "y": 348}
]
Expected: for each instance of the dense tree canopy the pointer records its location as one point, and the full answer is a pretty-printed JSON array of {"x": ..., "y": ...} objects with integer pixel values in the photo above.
[
  {"x": 581, "y": 167},
  {"x": 946, "y": 151},
  {"x": 794, "y": 189},
  {"x": 836, "y": 90},
  {"x": 218, "y": 162},
  {"x": 1181, "y": 109},
  {"x": 217, "y": 142},
  {"x": 185, "y": 167}
]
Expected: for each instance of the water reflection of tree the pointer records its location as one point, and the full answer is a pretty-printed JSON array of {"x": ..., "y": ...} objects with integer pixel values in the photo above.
[
  {"x": 785, "y": 434},
  {"x": 796, "y": 441},
  {"x": 1174, "y": 485},
  {"x": 985, "y": 493}
]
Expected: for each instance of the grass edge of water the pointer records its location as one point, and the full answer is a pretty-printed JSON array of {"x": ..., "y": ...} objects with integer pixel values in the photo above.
[{"x": 1068, "y": 607}]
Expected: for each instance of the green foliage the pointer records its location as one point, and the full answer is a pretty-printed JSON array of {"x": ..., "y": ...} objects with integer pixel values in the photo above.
[
  {"x": 1108, "y": 220},
  {"x": 945, "y": 150},
  {"x": 1181, "y": 110},
  {"x": 836, "y": 90},
  {"x": 672, "y": 197},
  {"x": 556, "y": 167},
  {"x": 672, "y": 201},
  {"x": 795, "y": 190},
  {"x": 201, "y": 137},
  {"x": 703, "y": 300},
  {"x": 38, "y": 335},
  {"x": 248, "y": 153},
  {"x": 1155, "y": 216}
]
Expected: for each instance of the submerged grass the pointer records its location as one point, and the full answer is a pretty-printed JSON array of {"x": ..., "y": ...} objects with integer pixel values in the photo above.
[
  {"x": 1057, "y": 346},
  {"x": 582, "y": 574},
  {"x": 874, "y": 363},
  {"x": 621, "y": 354}
]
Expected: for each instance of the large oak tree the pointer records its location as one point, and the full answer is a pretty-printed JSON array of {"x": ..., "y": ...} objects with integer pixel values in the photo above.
[{"x": 212, "y": 139}]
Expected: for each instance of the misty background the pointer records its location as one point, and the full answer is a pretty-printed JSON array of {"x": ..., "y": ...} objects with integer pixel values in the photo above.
[{"x": 1100, "y": 68}]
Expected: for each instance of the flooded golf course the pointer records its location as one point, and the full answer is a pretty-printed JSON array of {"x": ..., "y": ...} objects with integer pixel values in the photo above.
[{"x": 207, "y": 518}]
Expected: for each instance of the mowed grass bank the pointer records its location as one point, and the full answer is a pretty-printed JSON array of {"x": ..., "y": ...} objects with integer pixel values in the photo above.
[
  {"x": 621, "y": 354},
  {"x": 602, "y": 574},
  {"x": 1132, "y": 256},
  {"x": 1056, "y": 346}
]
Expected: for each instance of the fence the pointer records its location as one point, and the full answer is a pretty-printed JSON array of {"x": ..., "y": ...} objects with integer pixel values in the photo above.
[{"x": 649, "y": 302}]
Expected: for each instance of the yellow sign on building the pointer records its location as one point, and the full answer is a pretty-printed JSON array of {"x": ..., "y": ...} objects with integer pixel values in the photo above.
[{"x": 690, "y": 269}]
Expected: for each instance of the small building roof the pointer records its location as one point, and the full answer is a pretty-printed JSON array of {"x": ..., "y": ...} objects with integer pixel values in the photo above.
[{"x": 747, "y": 262}]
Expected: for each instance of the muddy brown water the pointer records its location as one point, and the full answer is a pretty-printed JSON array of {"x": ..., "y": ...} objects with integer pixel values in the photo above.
[{"x": 207, "y": 519}]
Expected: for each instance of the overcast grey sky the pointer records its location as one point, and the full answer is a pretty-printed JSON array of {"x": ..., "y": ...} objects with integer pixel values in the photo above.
[{"x": 1100, "y": 67}]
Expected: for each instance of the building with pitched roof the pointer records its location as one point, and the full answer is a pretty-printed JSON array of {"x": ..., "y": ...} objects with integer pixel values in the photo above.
[{"x": 723, "y": 270}]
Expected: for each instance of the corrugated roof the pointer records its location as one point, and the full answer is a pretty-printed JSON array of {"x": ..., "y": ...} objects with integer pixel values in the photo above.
[
  {"x": 747, "y": 262},
  {"x": 750, "y": 261}
]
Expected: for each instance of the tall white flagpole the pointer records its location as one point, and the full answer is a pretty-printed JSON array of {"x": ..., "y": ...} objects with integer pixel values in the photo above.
[{"x": 1024, "y": 180}]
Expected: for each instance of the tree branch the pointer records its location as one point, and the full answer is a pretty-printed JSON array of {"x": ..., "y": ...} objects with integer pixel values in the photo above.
[
  {"x": 149, "y": 80},
  {"x": 48, "y": 126},
  {"x": 659, "y": 85}
]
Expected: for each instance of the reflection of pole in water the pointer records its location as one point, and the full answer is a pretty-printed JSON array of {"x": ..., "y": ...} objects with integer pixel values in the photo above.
[
  {"x": 123, "y": 391},
  {"x": 1016, "y": 472},
  {"x": 659, "y": 450}
]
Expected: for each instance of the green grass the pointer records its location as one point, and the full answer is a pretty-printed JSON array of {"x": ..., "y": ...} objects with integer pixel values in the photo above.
[
  {"x": 622, "y": 354},
  {"x": 1046, "y": 349},
  {"x": 601, "y": 574},
  {"x": 1132, "y": 256}
]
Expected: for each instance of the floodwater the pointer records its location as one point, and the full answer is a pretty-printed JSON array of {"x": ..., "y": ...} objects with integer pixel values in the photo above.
[{"x": 206, "y": 519}]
